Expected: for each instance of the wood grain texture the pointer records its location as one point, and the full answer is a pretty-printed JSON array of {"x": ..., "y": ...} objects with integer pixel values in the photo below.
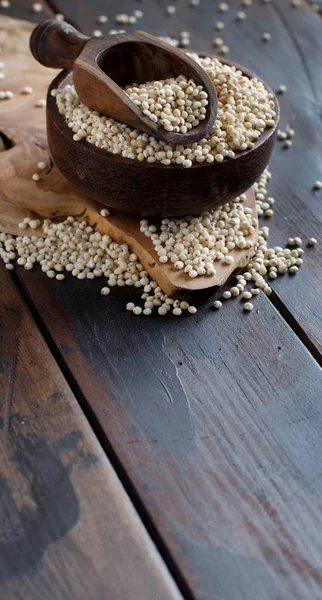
[
  {"x": 294, "y": 58},
  {"x": 68, "y": 528},
  {"x": 56, "y": 44},
  {"x": 102, "y": 67},
  {"x": 216, "y": 420}
]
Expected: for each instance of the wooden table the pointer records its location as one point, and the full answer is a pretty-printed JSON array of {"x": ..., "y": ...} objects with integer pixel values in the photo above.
[{"x": 173, "y": 458}]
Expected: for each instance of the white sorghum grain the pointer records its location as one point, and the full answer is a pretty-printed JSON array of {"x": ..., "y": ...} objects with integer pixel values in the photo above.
[
  {"x": 241, "y": 15},
  {"x": 224, "y": 49},
  {"x": 217, "y": 41},
  {"x": 172, "y": 41},
  {"x": 235, "y": 291},
  {"x": 26, "y": 90},
  {"x": 194, "y": 244},
  {"x": 97, "y": 33},
  {"x": 40, "y": 103},
  {"x": 247, "y": 295},
  {"x": 34, "y": 223},
  {"x": 36, "y": 7},
  {"x": 312, "y": 241},
  {"x": 281, "y": 135},
  {"x": 192, "y": 310},
  {"x": 219, "y": 25},
  {"x": 184, "y": 40},
  {"x": 281, "y": 89},
  {"x": 102, "y": 19},
  {"x": 36, "y": 177},
  {"x": 317, "y": 185},
  {"x": 217, "y": 304},
  {"x": 5, "y": 3},
  {"x": 59, "y": 17},
  {"x": 266, "y": 37},
  {"x": 42, "y": 165},
  {"x": 287, "y": 144},
  {"x": 170, "y": 10},
  {"x": 105, "y": 291},
  {"x": 6, "y": 95},
  {"x": 105, "y": 212},
  {"x": 248, "y": 306},
  {"x": 223, "y": 7},
  {"x": 226, "y": 295},
  {"x": 232, "y": 130},
  {"x": 122, "y": 18},
  {"x": 176, "y": 104}
]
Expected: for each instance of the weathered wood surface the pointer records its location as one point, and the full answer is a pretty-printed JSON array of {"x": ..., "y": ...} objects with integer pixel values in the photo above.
[
  {"x": 68, "y": 529},
  {"x": 217, "y": 418}
]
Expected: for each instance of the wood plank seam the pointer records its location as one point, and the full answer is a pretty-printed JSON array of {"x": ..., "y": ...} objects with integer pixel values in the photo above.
[
  {"x": 53, "y": 458},
  {"x": 296, "y": 327},
  {"x": 107, "y": 446}
]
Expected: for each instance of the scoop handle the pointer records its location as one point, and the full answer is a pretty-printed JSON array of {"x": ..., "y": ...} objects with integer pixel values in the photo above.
[{"x": 56, "y": 44}]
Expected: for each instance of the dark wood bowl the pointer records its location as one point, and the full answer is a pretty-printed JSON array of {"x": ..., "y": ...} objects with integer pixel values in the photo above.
[{"x": 149, "y": 189}]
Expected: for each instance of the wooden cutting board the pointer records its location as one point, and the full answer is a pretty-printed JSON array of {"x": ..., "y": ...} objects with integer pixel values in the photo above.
[{"x": 24, "y": 144}]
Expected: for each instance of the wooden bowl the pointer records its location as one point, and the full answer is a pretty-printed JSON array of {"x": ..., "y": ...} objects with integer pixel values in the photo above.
[{"x": 150, "y": 189}]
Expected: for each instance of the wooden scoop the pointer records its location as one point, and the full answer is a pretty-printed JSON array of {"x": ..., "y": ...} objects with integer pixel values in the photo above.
[{"x": 102, "y": 66}]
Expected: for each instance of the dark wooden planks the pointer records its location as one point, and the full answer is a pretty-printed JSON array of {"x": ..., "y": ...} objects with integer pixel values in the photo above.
[
  {"x": 216, "y": 420},
  {"x": 293, "y": 57},
  {"x": 68, "y": 529}
]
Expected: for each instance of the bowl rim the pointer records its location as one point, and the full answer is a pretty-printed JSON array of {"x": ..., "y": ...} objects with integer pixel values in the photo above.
[{"x": 59, "y": 120}]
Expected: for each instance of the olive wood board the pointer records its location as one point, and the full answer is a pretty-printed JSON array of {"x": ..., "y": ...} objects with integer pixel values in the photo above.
[{"x": 24, "y": 145}]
